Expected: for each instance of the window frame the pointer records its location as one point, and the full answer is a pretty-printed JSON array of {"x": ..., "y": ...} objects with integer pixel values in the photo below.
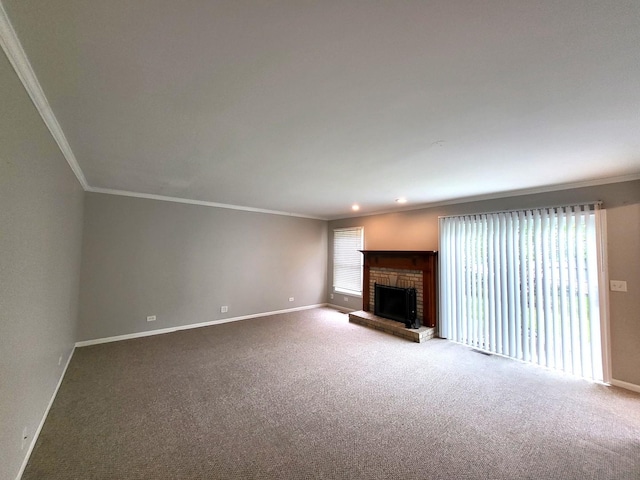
[{"x": 340, "y": 288}]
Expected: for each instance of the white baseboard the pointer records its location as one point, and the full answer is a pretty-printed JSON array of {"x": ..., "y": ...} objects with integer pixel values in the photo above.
[
  {"x": 36, "y": 434},
  {"x": 148, "y": 333},
  {"x": 629, "y": 386}
]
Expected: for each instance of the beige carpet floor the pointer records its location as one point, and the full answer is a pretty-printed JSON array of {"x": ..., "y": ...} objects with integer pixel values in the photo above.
[{"x": 307, "y": 395}]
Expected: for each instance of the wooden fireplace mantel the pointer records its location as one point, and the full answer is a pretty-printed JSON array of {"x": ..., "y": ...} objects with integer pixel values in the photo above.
[{"x": 425, "y": 261}]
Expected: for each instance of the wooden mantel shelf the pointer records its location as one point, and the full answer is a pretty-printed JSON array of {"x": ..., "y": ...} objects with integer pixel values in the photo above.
[{"x": 425, "y": 261}]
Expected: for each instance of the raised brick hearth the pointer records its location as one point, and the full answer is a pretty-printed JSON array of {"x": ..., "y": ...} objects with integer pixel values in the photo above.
[{"x": 398, "y": 329}]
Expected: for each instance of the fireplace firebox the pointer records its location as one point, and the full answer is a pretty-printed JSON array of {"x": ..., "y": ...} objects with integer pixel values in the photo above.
[{"x": 397, "y": 304}]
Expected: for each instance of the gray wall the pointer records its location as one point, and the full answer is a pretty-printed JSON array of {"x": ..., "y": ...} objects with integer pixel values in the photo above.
[
  {"x": 182, "y": 262},
  {"x": 418, "y": 230},
  {"x": 40, "y": 245}
]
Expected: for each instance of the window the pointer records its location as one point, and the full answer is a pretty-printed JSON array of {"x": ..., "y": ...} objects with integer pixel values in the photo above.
[
  {"x": 347, "y": 260},
  {"x": 525, "y": 284}
]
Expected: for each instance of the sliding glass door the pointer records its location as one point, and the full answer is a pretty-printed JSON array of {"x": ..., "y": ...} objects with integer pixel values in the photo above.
[{"x": 525, "y": 284}]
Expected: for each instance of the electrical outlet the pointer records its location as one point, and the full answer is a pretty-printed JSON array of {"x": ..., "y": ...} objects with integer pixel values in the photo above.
[
  {"x": 346, "y": 299},
  {"x": 331, "y": 296},
  {"x": 618, "y": 285},
  {"x": 291, "y": 299},
  {"x": 25, "y": 436},
  {"x": 151, "y": 318},
  {"x": 224, "y": 309}
]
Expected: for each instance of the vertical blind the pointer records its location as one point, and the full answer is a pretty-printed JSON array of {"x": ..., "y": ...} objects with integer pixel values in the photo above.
[
  {"x": 347, "y": 260},
  {"x": 525, "y": 284}
]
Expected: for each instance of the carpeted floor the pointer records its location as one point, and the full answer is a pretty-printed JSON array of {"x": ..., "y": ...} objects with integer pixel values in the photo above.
[{"x": 308, "y": 395}]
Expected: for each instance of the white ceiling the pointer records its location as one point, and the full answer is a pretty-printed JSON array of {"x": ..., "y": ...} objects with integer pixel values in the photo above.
[{"x": 310, "y": 106}]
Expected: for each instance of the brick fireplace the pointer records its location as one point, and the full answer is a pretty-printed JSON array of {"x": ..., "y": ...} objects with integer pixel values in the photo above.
[
  {"x": 405, "y": 269},
  {"x": 397, "y": 278}
]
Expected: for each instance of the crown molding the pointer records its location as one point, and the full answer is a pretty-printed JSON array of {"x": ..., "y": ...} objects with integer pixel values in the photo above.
[
  {"x": 510, "y": 193},
  {"x": 18, "y": 58},
  {"x": 164, "y": 198}
]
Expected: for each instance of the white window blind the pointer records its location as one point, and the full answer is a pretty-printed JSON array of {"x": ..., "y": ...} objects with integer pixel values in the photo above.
[
  {"x": 525, "y": 284},
  {"x": 347, "y": 260}
]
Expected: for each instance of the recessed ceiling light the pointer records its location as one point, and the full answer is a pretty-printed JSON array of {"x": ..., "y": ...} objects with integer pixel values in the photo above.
[
  {"x": 355, "y": 207},
  {"x": 401, "y": 200}
]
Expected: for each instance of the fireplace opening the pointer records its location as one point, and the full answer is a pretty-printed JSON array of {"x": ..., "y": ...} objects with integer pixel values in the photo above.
[{"x": 397, "y": 304}]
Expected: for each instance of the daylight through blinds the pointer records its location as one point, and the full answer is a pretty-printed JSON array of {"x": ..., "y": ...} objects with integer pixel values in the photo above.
[
  {"x": 347, "y": 260},
  {"x": 525, "y": 284}
]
